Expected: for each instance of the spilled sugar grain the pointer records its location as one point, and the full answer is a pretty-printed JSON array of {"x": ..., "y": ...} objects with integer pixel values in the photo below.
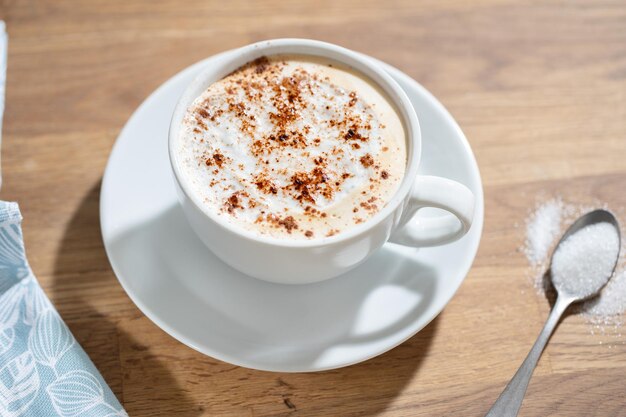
[{"x": 544, "y": 226}]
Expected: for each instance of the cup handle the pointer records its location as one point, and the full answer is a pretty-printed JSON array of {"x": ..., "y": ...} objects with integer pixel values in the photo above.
[{"x": 438, "y": 192}]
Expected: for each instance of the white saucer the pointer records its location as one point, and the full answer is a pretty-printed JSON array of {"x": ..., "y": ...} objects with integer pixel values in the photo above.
[{"x": 183, "y": 288}]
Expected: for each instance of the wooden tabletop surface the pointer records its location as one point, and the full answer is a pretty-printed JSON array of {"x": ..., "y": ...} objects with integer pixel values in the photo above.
[{"x": 538, "y": 88}]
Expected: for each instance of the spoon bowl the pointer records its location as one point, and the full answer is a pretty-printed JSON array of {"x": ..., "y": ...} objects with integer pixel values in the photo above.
[{"x": 606, "y": 248}]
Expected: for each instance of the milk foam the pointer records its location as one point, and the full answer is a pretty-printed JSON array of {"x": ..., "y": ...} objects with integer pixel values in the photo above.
[{"x": 293, "y": 147}]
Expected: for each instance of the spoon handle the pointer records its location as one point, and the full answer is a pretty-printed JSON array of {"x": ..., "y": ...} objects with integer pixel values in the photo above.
[{"x": 510, "y": 401}]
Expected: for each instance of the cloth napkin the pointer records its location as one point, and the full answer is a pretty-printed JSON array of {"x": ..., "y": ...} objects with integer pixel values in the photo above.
[{"x": 43, "y": 370}]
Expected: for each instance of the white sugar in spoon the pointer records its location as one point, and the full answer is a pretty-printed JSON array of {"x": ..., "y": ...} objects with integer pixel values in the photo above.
[{"x": 582, "y": 263}]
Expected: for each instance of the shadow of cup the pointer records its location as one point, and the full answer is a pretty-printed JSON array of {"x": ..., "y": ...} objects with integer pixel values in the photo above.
[{"x": 144, "y": 382}]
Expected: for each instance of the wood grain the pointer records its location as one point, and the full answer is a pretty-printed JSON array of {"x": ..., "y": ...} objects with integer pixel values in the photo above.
[{"x": 538, "y": 87}]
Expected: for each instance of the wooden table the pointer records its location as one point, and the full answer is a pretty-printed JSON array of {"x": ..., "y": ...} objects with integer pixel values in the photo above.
[{"x": 539, "y": 89}]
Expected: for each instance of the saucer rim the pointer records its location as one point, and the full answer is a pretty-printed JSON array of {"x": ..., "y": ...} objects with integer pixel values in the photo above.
[{"x": 463, "y": 270}]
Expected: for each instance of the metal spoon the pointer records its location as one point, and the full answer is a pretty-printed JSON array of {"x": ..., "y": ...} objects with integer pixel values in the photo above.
[{"x": 510, "y": 401}]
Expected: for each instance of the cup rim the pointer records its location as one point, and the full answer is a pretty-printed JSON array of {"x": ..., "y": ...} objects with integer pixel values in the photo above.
[{"x": 361, "y": 64}]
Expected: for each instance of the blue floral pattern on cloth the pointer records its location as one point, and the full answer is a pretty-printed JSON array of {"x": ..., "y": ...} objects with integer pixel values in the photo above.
[{"x": 43, "y": 370}]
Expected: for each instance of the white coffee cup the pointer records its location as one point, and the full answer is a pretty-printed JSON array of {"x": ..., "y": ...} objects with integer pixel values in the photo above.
[{"x": 305, "y": 261}]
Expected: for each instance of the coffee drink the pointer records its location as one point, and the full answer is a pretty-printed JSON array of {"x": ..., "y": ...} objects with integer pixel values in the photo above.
[{"x": 293, "y": 147}]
